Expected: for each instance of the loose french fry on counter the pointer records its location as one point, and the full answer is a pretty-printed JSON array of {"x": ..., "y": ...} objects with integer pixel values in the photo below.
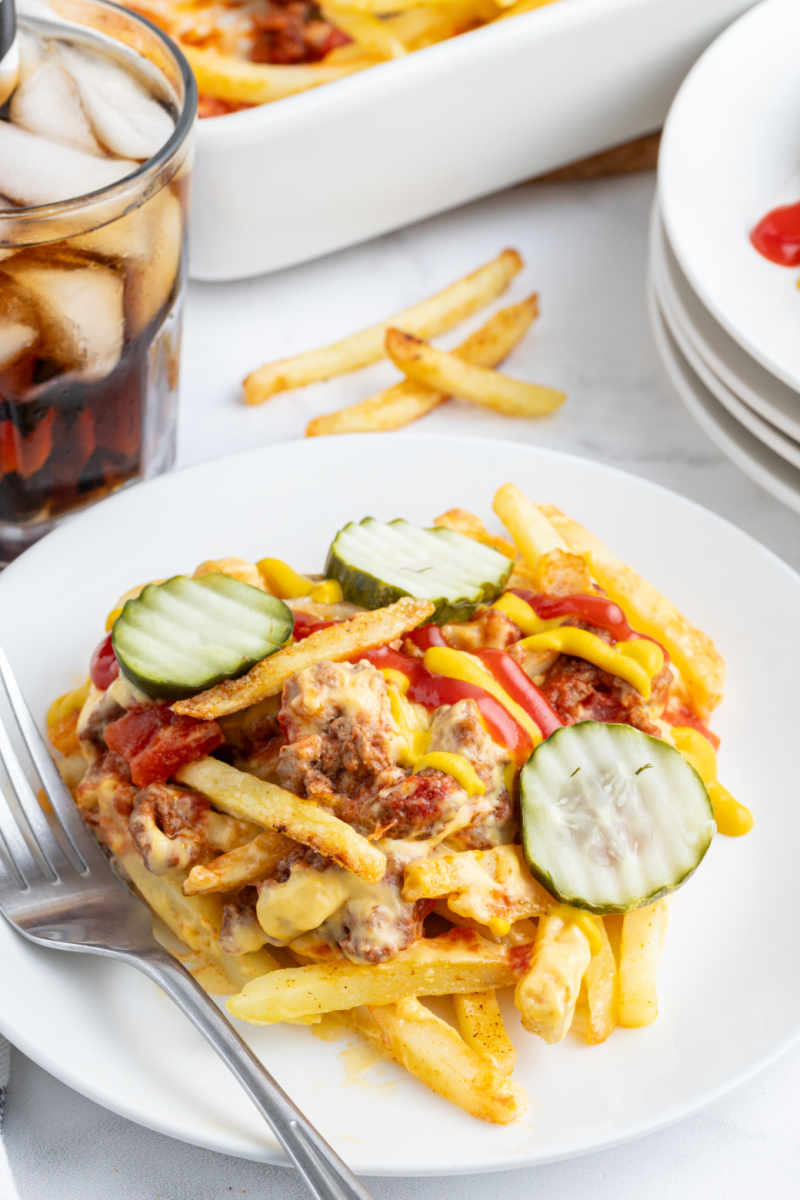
[
  {"x": 693, "y": 652},
  {"x": 246, "y": 864},
  {"x": 427, "y": 319},
  {"x": 243, "y": 795},
  {"x": 643, "y": 933},
  {"x": 407, "y": 401},
  {"x": 451, "y": 376},
  {"x": 547, "y": 993},
  {"x": 480, "y": 1023},
  {"x": 365, "y": 631},
  {"x": 433, "y": 1051},
  {"x": 241, "y": 81},
  {"x": 493, "y": 887},
  {"x": 456, "y": 961}
]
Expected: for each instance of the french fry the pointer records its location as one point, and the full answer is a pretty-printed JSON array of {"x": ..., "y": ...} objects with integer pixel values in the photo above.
[
  {"x": 253, "y": 799},
  {"x": 363, "y": 632},
  {"x": 522, "y": 6},
  {"x": 428, "y": 318},
  {"x": 456, "y": 961},
  {"x": 245, "y": 864},
  {"x": 693, "y": 652},
  {"x": 643, "y": 933},
  {"x": 480, "y": 1023},
  {"x": 450, "y": 375},
  {"x": 521, "y": 933},
  {"x": 547, "y": 993},
  {"x": 462, "y": 521},
  {"x": 600, "y": 989},
  {"x": 407, "y": 401},
  {"x": 369, "y": 33},
  {"x": 382, "y": 7},
  {"x": 197, "y": 921},
  {"x": 432, "y": 1050},
  {"x": 243, "y": 82},
  {"x": 532, "y": 532},
  {"x": 493, "y": 887}
]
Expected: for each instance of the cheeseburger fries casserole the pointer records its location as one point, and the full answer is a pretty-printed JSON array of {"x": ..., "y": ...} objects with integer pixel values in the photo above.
[
  {"x": 451, "y": 764},
  {"x": 248, "y": 52}
]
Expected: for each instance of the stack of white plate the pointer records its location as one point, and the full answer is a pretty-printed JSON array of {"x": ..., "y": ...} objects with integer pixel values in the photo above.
[{"x": 727, "y": 321}]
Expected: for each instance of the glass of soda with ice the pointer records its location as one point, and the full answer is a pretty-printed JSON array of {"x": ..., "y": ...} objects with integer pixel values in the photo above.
[{"x": 95, "y": 163}]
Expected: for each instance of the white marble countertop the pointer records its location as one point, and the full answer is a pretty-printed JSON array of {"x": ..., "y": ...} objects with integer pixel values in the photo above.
[{"x": 585, "y": 246}]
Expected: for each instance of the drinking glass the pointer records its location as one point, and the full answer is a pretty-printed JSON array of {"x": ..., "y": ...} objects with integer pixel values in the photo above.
[{"x": 91, "y": 285}]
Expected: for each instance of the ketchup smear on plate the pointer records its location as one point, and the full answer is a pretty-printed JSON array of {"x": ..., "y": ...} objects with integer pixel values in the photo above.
[{"x": 777, "y": 236}]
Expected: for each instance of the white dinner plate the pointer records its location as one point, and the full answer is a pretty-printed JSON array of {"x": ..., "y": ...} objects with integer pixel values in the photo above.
[
  {"x": 761, "y": 391},
  {"x": 769, "y": 470},
  {"x": 681, "y": 331},
  {"x": 729, "y": 154},
  {"x": 729, "y": 988}
]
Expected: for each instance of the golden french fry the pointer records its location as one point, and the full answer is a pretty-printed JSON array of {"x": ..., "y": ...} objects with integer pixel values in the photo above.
[
  {"x": 450, "y": 375},
  {"x": 462, "y": 521},
  {"x": 547, "y": 993},
  {"x": 426, "y": 24},
  {"x": 693, "y": 652},
  {"x": 493, "y": 887},
  {"x": 253, "y": 799},
  {"x": 428, "y": 318},
  {"x": 432, "y": 1050},
  {"x": 237, "y": 568},
  {"x": 601, "y": 984},
  {"x": 197, "y": 921},
  {"x": 405, "y": 402},
  {"x": 241, "y": 81},
  {"x": 531, "y": 531},
  {"x": 365, "y": 631},
  {"x": 456, "y": 961},
  {"x": 643, "y": 933},
  {"x": 481, "y": 1025},
  {"x": 382, "y": 7},
  {"x": 245, "y": 864},
  {"x": 522, "y": 6},
  {"x": 369, "y": 33}
]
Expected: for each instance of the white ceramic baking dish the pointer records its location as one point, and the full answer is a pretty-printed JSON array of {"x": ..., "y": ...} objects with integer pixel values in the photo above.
[{"x": 310, "y": 174}]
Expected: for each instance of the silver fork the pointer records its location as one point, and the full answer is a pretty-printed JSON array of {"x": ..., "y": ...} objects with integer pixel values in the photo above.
[{"x": 60, "y": 891}]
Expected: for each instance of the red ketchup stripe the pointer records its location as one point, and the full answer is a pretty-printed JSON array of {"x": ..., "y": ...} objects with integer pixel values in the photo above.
[
  {"x": 432, "y": 691},
  {"x": 510, "y": 675}
]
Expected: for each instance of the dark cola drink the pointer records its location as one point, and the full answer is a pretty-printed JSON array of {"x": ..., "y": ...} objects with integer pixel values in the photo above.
[{"x": 94, "y": 174}]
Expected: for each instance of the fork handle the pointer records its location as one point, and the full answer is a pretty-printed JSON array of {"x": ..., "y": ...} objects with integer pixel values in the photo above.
[{"x": 326, "y": 1176}]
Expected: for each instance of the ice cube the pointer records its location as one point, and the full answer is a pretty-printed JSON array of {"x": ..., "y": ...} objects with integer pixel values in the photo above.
[
  {"x": 125, "y": 118},
  {"x": 153, "y": 278},
  {"x": 34, "y": 170},
  {"x": 48, "y": 103},
  {"x": 80, "y": 310},
  {"x": 30, "y": 53},
  {"x": 15, "y": 339}
]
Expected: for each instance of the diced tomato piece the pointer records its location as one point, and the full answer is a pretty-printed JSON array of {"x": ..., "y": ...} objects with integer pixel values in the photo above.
[
  {"x": 155, "y": 742},
  {"x": 104, "y": 667}
]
